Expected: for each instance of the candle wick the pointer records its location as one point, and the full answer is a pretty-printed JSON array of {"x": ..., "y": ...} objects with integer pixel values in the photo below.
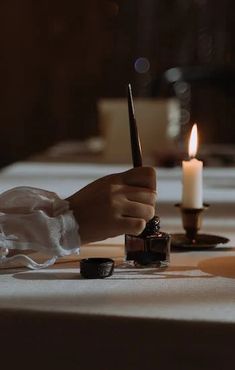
[{"x": 191, "y": 157}]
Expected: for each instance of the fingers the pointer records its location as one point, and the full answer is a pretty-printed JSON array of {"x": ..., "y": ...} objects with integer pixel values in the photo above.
[
  {"x": 138, "y": 210},
  {"x": 141, "y": 195},
  {"x": 134, "y": 215},
  {"x": 140, "y": 176},
  {"x": 132, "y": 226}
]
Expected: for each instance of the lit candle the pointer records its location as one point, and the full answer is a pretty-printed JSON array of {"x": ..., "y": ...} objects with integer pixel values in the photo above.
[{"x": 192, "y": 175}]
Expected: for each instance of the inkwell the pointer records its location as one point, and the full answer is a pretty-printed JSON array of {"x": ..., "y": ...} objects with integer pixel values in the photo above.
[{"x": 152, "y": 247}]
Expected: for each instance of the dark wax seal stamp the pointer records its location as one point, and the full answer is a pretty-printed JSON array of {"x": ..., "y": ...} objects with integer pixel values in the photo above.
[{"x": 96, "y": 268}]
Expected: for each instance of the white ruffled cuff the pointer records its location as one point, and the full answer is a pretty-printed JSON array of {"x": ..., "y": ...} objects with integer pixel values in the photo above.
[{"x": 38, "y": 220}]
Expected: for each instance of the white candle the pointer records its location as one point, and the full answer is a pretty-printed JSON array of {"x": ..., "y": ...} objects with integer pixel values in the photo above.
[{"x": 192, "y": 175}]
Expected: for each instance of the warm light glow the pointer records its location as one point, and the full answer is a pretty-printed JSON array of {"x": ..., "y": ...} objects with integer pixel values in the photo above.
[{"x": 193, "y": 142}]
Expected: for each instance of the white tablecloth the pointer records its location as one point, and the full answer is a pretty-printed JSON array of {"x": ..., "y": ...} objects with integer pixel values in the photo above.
[{"x": 179, "y": 318}]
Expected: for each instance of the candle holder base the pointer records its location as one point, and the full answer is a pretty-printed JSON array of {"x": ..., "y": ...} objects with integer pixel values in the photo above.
[
  {"x": 201, "y": 242},
  {"x": 192, "y": 221}
]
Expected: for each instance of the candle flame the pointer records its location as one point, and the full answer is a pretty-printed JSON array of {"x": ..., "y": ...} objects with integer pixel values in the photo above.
[{"x": 193, "y": 142}]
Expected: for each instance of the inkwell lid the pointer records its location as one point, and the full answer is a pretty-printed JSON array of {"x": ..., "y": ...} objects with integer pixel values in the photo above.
[
  {"x": 96, "y": 268},
  {"x": 152, "y": 227}
]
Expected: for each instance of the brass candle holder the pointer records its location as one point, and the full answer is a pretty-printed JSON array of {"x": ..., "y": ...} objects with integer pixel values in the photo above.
[
  {"x": 192, "y": 223},
  {"x": 192, "y": 220}
]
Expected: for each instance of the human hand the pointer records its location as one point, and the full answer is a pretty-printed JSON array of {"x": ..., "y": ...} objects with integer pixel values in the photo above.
[{"x": 115, "y": 204}]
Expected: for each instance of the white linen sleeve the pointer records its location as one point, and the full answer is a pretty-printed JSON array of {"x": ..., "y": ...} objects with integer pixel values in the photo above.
[{"x": 36, "y": 219}]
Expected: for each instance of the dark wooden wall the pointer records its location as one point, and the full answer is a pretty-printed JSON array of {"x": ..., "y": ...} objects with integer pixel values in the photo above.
[
  {"x": 58, "y": 57},
  {"x": 50, "y": 58},
  {"x": 178, "y": 33}
]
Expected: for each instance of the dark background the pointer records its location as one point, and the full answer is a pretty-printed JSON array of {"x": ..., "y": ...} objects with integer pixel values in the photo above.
[{"x": 57, "y": 58}]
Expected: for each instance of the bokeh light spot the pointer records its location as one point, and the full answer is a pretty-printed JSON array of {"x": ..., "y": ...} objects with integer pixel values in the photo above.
[{"x": 142, "y": 65}]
